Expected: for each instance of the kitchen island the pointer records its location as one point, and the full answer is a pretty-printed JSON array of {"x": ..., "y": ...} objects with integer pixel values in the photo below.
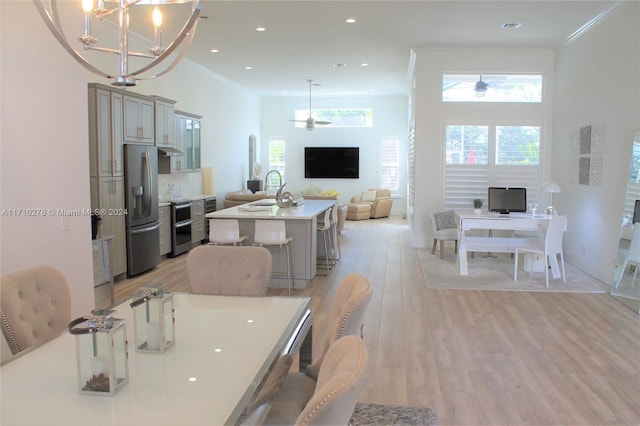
[{"x": 301, "y": 223}]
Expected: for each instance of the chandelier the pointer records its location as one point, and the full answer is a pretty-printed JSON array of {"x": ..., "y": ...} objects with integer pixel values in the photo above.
[{"x": 120, "y": 13}]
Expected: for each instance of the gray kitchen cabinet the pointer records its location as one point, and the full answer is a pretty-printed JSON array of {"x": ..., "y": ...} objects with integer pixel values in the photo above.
[
  {"x": 165, "y": 134},
  {"x": 107, "y": 198},
  {"x": 139, "y": 120},
  {"x": 187, "y": 140},
  {"x": 105, "y": 132},
  {"x": 178, "y": 163},
  {"x": 165, "y": 229},
  {"x": 197, "y": 227},
  {"x": 192, "y": 142}
]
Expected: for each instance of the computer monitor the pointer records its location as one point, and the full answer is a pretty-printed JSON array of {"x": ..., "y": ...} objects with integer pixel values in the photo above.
[{"x": 506, "y": 200}]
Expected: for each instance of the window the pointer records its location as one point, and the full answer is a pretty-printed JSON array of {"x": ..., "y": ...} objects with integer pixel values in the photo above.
[
  {"x": 339, "y": 117},
  {"x": 500, "y": 88},
  {"x": 481, "y": 155},
  {"x": 277, "y": 161},
  {"x": 390, "y": 164}
]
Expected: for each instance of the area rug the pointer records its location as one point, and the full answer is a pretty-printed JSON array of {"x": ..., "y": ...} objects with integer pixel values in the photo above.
[
  {"x": 400, "y": 415},
  {"x": 496, "y": 273}
]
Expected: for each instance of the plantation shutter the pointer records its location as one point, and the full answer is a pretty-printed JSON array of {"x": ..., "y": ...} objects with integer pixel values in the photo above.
[{"x": 390, "y": 162}]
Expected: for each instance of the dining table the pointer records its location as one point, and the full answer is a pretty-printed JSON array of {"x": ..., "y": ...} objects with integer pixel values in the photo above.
[{"x": 224, "y": 348}]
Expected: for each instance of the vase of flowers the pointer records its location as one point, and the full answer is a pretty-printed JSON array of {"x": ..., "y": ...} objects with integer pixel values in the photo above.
[{"x": 477, "y": 206}]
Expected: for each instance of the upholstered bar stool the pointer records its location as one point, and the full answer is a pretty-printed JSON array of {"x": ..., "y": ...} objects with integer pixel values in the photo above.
[{"x": 274, "y": 233}]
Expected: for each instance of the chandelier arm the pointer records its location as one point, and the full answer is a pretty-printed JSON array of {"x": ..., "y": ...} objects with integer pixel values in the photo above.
[
  {"x": 186, "y": 32},
  {"x": 57, "y": 32},
  {"x": 180, "y": 56},
  {"x": 106, "y": 13}
]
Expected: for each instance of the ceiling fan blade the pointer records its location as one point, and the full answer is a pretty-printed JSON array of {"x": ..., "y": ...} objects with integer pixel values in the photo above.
[
  {"x": 298, "y": 121},
  {"x": 322, "y": 122}
]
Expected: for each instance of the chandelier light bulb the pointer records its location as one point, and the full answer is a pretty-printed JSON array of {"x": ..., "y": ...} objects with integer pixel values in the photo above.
[
  {"x": 156, "y": 17},
  {"x": 87, "y": 6}
]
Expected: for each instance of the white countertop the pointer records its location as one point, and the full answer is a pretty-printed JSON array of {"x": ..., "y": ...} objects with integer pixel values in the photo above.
[{"x": 306, "y": 211}]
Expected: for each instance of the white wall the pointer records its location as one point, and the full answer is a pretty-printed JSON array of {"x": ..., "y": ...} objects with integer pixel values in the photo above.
[
  {"x": 597, "y": 81},
  {"x": 389, "y": 121},
  {"x": 44, "y": 145},
  {"x": 430, "y": 112}
]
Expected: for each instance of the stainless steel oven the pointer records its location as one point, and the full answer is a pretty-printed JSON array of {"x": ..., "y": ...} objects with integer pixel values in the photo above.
[{"x": 180, "y": 227}]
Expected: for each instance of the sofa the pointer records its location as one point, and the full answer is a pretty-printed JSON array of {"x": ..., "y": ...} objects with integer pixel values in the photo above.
[
  {"x": 243, "y": 196},
  {"x": 372, "y": 204}
]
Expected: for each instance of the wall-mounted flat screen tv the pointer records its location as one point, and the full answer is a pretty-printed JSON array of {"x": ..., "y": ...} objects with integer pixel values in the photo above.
[
  {"x": 507, "y": 200},
  {"x": 328, "y": 162}
]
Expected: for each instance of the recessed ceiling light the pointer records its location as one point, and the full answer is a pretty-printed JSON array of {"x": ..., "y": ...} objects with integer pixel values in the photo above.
[
  {"x": 339, "y": 65},
  {"x": 248, "y": 67},
  {"x": 261, "y": 29},
  {"x": 215, "y": 51},
  {"x": 350, "y": 20},
  {"x": 364, "y": 64},
  {"x": 511, "y": 25}
]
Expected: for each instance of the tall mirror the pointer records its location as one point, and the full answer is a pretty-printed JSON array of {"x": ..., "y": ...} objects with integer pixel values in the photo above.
[{"x": 626, "y": 281}]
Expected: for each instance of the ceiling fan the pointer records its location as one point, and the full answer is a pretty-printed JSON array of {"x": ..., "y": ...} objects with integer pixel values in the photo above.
[{"x": 310, "y": 122}]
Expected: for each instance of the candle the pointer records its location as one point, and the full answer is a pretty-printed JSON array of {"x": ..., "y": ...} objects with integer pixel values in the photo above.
[
  {"x": 99, "y": 366},
  {"x": 154, "y": 338}
]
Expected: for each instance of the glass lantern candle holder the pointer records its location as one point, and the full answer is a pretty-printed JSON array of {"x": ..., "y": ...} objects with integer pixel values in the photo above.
[
  {"x": 153, "y": 320},
  {"x": 101, "y": 351}
]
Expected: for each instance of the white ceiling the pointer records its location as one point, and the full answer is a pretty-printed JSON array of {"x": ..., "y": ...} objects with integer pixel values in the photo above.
[{"x": 303, "y": 39}]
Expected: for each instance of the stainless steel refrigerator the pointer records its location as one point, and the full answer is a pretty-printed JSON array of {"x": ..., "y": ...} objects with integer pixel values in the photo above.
[{"x": 141, "y": 201}]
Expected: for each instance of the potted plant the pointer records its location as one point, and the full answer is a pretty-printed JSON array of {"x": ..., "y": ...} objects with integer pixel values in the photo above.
[{"x": 477, "y": 206}]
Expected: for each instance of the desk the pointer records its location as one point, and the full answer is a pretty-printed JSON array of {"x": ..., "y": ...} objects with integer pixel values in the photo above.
[
  {"x": 40, "y": 387},
  {"x": 512, "y": 222},
  {"x": 301, "y": 223}
]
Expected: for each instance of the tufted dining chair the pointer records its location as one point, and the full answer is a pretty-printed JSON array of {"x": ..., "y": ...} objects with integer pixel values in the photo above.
[
  {"x": 443, "y": 225},
  {"x": 336, "y": 391},
  {"x": 229, "y": 270},
  {"x": 35, "y": 307},
  {"x": 348, "y": 309}
]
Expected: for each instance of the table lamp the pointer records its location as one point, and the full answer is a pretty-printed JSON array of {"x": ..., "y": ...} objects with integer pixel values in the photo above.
[{"x": 550, "y": 187}]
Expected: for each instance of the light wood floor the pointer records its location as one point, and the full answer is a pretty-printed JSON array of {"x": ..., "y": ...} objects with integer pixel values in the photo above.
[{"x": 476, "y": 357}]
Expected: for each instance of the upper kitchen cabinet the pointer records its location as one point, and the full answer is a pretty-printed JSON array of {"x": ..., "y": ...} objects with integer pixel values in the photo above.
[
  {"x": 192, "y": 141},
  {"x": 105, "y": 132},
  {"x": 165, "y": 135},
  {"x": 139, "y": 120},
  {"x": 187, "y": 141}
]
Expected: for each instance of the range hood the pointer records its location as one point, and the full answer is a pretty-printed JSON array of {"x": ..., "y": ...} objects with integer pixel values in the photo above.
[{"x": 169, "y": 151}]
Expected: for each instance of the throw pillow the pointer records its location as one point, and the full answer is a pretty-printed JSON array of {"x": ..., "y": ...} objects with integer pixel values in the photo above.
[{"x": 369, "y": 195}]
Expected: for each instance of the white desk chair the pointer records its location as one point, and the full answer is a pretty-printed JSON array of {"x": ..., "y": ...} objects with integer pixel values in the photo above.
[
  {"x": 443, "y": 225},
  {"x": 225, "y": 231},
  {"x": 633, "y": 256},
  {"x": 324, "y": 227},
  {"x": 274, "y": 233},
  {"x": 550, "y": 246}
]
